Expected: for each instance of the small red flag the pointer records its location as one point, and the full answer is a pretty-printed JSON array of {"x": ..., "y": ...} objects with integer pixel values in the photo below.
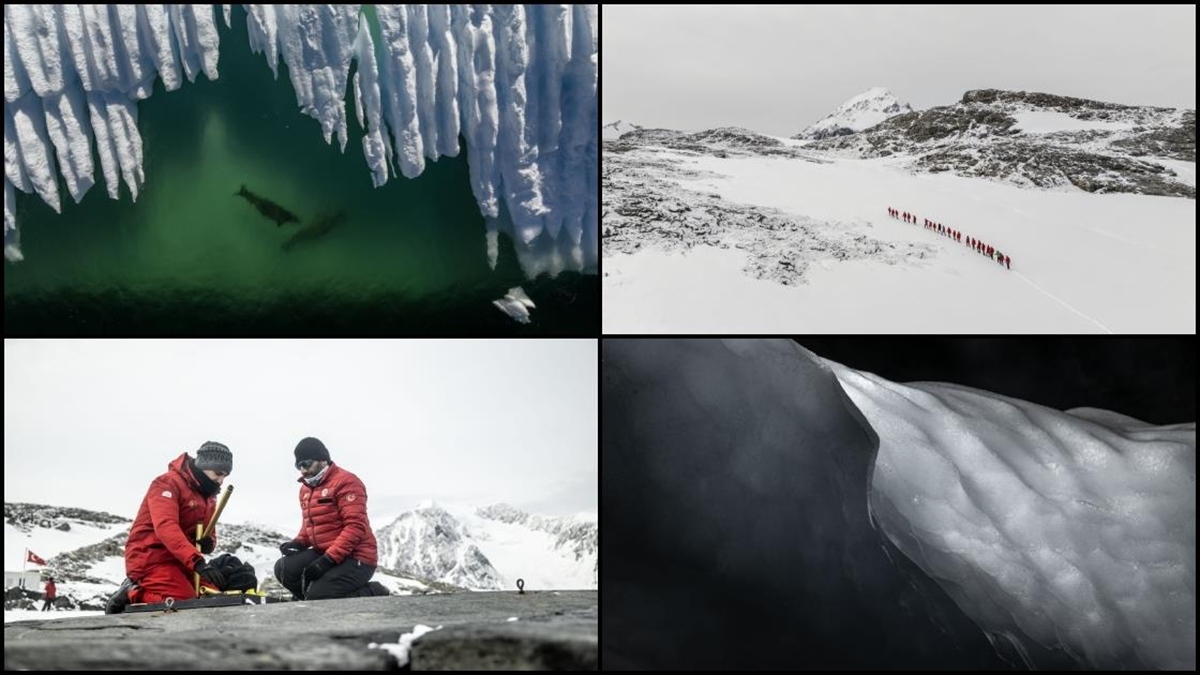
[{"x": 33, "y": 558}]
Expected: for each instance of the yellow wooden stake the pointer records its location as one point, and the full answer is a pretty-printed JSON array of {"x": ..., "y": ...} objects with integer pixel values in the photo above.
[{"x": 203, "y": 531}]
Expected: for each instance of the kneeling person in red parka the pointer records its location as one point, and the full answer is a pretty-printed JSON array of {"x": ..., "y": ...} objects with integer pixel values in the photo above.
[
  {"x": 334, "y": 555},
  {"x": 160, "y": 554}
]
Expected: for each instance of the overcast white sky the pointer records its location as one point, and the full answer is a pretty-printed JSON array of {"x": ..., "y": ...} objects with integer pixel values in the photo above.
[
  {"x": 777, "y": 69},
  {"x": 89, "y": 423}
]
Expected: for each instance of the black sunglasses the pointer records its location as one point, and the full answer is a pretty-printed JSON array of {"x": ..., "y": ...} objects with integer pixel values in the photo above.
[{"x": 305, "y": 463}]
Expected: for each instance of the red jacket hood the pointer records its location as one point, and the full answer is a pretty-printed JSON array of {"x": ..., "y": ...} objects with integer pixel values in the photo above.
[{"x": 180, "y": 466}]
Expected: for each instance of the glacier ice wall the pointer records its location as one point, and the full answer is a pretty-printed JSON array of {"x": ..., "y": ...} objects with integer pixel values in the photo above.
[
  {"x": 1069, "y": 531},
  {"x": 767, "y": 508},
  {"x": 518, "y": 82},
  {"x": 736, "y": 521}
]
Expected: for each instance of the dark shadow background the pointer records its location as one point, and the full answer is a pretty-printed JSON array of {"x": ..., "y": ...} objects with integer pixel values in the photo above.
[{"x": 1150, "y": 378}]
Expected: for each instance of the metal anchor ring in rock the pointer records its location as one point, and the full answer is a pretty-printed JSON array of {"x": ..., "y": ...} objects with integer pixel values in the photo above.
[{"x": 554, "y": 630}]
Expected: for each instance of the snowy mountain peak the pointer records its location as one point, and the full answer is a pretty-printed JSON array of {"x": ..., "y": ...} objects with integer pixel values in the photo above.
[
  {"x": 491, "y": 547},
  {"x": 431, "y": 544},
  {"x": 860, "y": 112},
  {"x": 615, "y": 129}
]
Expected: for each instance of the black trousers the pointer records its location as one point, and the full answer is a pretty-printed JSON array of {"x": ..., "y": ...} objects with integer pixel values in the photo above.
[
  {"x": 348, "y": 579},
  {"x": 48, "y": 604}
]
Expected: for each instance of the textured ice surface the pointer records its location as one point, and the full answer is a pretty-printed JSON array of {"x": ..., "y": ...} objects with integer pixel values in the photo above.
[
  {"x": 999, "y": 533},
  {"x": 1055, "y": 531},
  {"x": 518, "y": 82}
]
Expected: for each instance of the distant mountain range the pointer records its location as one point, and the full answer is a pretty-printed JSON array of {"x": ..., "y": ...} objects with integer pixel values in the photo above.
[
  {"x": 491, "y": 548},
  {"x": 422, "y": 551}
]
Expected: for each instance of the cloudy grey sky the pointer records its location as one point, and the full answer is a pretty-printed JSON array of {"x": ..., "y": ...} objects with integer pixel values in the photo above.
[
  {"x": 777, "y": 69},
  {"x": 91, "y": 423}
]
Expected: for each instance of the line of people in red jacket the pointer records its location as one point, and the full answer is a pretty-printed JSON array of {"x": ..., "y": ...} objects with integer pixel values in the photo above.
[{"x": 957, "y": 235}]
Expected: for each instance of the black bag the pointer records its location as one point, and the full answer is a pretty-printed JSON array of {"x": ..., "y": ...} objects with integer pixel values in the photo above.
[{"x": 239, "y": 576}]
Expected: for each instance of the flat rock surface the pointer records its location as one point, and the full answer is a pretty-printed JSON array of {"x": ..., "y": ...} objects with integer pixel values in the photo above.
[{"x": 553, "y": 629}]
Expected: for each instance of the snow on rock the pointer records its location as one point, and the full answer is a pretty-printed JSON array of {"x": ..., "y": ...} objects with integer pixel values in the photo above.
[
  {"x": 519, "y": 83},
  {"x": 403, "y": 646},
  {"x": 1050, "y": 121}
]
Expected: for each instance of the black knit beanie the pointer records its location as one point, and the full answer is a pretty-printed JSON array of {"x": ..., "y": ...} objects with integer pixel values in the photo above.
[{"x": 311, "y": 448}]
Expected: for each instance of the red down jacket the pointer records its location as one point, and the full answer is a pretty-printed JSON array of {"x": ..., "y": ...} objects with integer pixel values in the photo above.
[
  {"x": 165, "y": 525},
  {"x": 334, "y": 517}
]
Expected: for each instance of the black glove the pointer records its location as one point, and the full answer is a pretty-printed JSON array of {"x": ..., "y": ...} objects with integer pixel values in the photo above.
[
  {"x": 207, "y": 544},
  {"x": 317, "y": 568},
  {"x": 210, "y": 574},
  {"x": 292, "y": 547}
]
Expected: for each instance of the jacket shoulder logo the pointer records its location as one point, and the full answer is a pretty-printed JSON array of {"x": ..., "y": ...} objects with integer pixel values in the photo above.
[
  {"x": 350, "y": 497},
  {"x": 167, "y": 494}
]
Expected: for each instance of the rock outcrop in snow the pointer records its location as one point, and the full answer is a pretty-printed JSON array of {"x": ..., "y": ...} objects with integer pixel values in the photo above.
[
  {"x": 1040, "y": 140},
  {"x": 518, "y": 82}
]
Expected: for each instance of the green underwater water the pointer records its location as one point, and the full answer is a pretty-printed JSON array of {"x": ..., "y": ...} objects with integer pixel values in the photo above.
[{"x": 190, "y": 257}]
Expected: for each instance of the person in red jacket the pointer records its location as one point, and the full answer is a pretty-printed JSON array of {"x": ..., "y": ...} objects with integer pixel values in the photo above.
[
  {"x": 51, "y": 594},
  {"x": 1008, "y": 262},
  {"x": 160, "y": 554},
  {"x": 334, "y": 555}
]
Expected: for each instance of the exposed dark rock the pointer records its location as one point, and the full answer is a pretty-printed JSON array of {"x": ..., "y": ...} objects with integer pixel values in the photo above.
[
  {"x": 980, "y": 136},
  {"x": 554, "y": 630}
]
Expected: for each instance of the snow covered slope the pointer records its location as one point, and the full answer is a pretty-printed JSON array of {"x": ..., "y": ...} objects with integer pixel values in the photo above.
[
  {"x": 861, "y": 112},
  {"x": 792, "y": 238},
  {"x": 490, "y": 548},
  {"x": 84, "y": 550},
  {"x": 518, "y": 82},
  {"x": 547, "y": 552}
]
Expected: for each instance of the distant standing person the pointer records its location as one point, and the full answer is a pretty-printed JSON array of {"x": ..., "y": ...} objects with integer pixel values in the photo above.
[{"x": 51, "y": 594}]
